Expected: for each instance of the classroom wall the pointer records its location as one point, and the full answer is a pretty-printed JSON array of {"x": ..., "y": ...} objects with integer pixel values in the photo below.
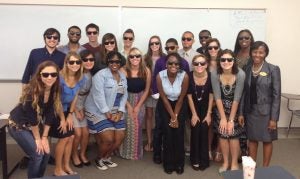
[{"x": 282, "y": 31}]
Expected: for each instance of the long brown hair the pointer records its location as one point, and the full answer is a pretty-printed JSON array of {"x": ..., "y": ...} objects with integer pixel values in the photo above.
[
  {"x": 142, "y": 73},
  {"x": 148, "y": 56}
]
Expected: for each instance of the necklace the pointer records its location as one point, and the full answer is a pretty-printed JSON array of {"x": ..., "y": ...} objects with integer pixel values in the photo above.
[
  {"x": 202, "y": 92},
  {"x": 256, "y": 72},
  {"x": 201, "y": 84},
  {"x": 227, "y": 89}
]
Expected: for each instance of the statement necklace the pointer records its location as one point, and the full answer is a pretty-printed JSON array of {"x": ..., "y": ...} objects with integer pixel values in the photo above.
[
  {"x": 255, "y": 73},
  {"x": 227, "y": 89}
]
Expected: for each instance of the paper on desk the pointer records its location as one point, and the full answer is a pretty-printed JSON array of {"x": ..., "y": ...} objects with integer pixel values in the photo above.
[{"x": 4, "y": 116}]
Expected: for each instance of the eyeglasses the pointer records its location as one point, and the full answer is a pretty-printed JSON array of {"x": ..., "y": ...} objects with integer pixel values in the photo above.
[
  {"x": 186, "y": 39},
  {"x": 132, "y": 56},
  {"x": 244, "y": 38},
  {"x": 114, "y": 61},
  {"x": 46, "y": 75},
  {"x": 88, "y": 59},
  {"x": 170, "y": 48},
  {"x": 109, "y": 42},
  {"x": 51, "y": 36},
  {"x": 212, "y": 47},
  {"x": 199, "y": 63},
  {"x": 226, "y": 59},
  {"x": 128, "y": 38},
  {"x": 75, "y": 33},
  {"x": 92, "y": 32},
  {"x": 203, "y": 37},
  {"x": 78, "y": 62},
  {"x": 154, "y": 43},
  {"x": 173, "y": 63}
]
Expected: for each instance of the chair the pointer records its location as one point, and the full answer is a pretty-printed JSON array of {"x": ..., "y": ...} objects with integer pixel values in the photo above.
[{"x": 294, "y": 113}]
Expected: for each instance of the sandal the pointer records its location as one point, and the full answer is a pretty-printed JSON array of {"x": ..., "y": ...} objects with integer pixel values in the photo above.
[
  {"x": 218, "y": 157},
  {"x": 148, "y": 148},
  {"x": 210, "y": 156}
]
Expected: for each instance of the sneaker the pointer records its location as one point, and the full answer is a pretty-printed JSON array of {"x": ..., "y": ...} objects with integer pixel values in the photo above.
[
  {"x": 100, "y": 164},
  {"x": 109, "y": 163}
]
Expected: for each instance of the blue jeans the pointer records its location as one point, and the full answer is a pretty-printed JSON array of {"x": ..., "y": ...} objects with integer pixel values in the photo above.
[{"x": 37, "y": 162}]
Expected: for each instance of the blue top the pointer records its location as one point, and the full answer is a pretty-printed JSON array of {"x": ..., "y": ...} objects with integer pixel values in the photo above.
[
  {"x": 104, "y": 91},
  {"x": 84, "y": 91},
  {"x": 68, "y": 93},
  {"x": 172, "y": 91},
  {"x": 39, "y": 55}
]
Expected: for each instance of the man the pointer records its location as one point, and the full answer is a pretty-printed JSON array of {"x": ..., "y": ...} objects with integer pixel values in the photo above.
[
  {"x": 204, "y": 36},
  {"x": 92, "y": 32},
  {"x": 171, "y": 47},
  {"x": 128, "y": 39},
  {"x": 187, "y": 52},
  {"x": 74, "y": 35}
]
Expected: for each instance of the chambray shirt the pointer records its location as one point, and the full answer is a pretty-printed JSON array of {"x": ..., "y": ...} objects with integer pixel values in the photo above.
[
  {"x": 172, "y": 91},
  {"x": 84, "y": 91},
  {"x": 103, "y": 93}
]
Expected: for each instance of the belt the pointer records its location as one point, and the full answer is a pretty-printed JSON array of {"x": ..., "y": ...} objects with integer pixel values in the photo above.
[{"x": 14, "y": 125}]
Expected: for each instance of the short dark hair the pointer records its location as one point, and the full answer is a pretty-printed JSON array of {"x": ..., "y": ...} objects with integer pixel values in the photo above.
[
  {"x": 84, "y": 53},
  {"x": 188, "y": 32},
  {"x": 235, "y": 68},
  {"x": 202, "y": 31},
  {"x": 51, "y": 31},
  {"x": 129, "y": 31},
  {"x": 258, "y": 44},
  {"x": 172, "y": 40},
  {"x": 74, "y": 27},
  {"x": 92, "y": 25},
  {"x": 112, "y": 54},
  {"x": 178, "y": 57}
]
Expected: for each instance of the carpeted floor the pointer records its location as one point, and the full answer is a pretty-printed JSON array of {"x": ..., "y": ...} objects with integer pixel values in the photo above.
[{"x": 286, "y": 154}]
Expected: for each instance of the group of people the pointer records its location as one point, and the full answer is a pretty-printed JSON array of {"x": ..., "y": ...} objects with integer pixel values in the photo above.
[{"x": 74, "y": 90}]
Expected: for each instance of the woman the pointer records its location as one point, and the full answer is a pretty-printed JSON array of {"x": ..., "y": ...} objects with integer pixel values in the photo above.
[
  {"x": 81, "y": 130},
  {"x": 128, "y": 39},
  {"x": 261, "y": 102},
  {"x": 104, "y": 109},
  {"x": 200, "y": 98},
  {"x": 244, "y": 41},
  {"x": 172, "y": 85},
  {"x": 71, "y": 79},
  {"x": 212, "y": 51},
  {"x": 139, "y": 79},
  {"x": 153, "y": 54},
  {"x": 228, "y": 83},
  {"x": 30, "y": 120}
]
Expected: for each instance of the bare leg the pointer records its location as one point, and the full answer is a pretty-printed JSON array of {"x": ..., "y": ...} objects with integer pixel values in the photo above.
[
  {"x": 77, "y": 139},
  {"x": 59, "y": 152},
  {"x": 118, "y": 139},
  {"x": 67, "y": 154},
  {"x": 149, "y": 119},
  {"x": 224, "y": 144},
  {"x": 83, "y": 143},
  {"x": 253, "y": 145},
  {"x": 268, "y": 149},
  {"x": 234, "y": 151},
  {"x": 107, "y": 140}
]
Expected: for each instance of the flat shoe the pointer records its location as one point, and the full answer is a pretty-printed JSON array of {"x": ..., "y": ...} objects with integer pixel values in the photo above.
[
  {"x": 88, "y": 163},
  {"x": 148, "y": 148},
  {"x": 71, "y": 173},
  {"x": 222, "y": 170},
  {"x": 80, "y": 165}
]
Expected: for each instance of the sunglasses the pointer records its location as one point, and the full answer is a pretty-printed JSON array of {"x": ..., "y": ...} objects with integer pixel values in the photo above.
[
  {"x": 203, "y": 37},
  {"x": 132, "y": 56},
  {"x": 88, "y": 59},
  {"x": 212, "y": 47},
  {"x": 78, "y": 62},
  {"x": 154, "y": 43},
  {"x": 173, "y": 63},
  {"x": 92, "y": 32},
  {"x": 110, "y": 42},
  {"x": 244, "y": 38},
  {"x": 118, "y": 62},
  {"x": 199, "y": 63},
  {"x": 186, "y": 39},
  {"x": 226, "y": 59},
  {"x": 75, "y": 33},
  {"x": 170, "y": 48},
  {"x": 128, "y": 38},
  {"x": 46, "y": 75},
  {"x": 52, "y": 37}
]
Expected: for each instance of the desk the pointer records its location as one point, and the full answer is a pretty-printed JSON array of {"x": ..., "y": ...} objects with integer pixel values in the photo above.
[
  {"x": 296, "y": 112},
  {"x": 274, "y": 172}
]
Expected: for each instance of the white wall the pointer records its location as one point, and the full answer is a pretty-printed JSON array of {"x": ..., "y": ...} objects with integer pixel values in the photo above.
[{"x": 282, "y": 31}]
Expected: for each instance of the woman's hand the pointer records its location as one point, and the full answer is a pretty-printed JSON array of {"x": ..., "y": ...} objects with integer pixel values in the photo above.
[
  {"x": 62, "y": 126},
  {"x": 45, "y": 144},
  {"x": 174, "y": 122},
  {"x": 230, "y": 127},
  {"x": 272, "y": 125},
  {"x": 223, "y": 125},
  {"x": 136, "y": 111},
  {"x": 195, "y": 119},
  {"x": 130, "y": 112},
  {"x": 207, "y": 119},
  {"x": 39, "y": 146},
  {"x": 70, "y": 121},
  {"x": 241, "y": 120}
]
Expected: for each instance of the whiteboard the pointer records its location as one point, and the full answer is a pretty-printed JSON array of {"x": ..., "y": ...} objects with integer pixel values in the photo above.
[{"x": 22, "y": 27}]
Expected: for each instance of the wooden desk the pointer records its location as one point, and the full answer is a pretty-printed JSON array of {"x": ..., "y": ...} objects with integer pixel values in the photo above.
[{"x": 3, "y": 150}]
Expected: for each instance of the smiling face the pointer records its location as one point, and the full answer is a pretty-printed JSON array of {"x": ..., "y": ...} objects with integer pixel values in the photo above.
[
  {"x": 203, "y": 37},
  {"x": 128, "y": 39},
  {"x": 199, "y": 64},
  {"x": 226, "y": 61},
  {"x": 154, "y": 44},
  {"x": 244, "y": 39},
  {"x": 114, "y": 63},
  {"x": 92, "y": 34},
  {"x": 187, "y": 40},
  {"x": 73, "y": 64},
  {"x": 258, "y": 55},
  {"x": 88, "y": 62},
  {"x": 51, "y": 41},
  {"x": 172, "y": 64},
  {"x": 135, "y": 58},
  {"x": 74, "y": 35},
  {"x": 213, "y": 49},
  {"x": 49, "y": 76},
  {"x": 110, "y": 45}
]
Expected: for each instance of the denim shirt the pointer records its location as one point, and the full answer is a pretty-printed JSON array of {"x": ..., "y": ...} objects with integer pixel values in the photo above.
[
  {"x": 84, "y": 91},
  {"x": 104, "y": 91}
]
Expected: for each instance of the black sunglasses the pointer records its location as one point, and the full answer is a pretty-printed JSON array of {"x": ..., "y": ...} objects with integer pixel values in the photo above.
[
  {"x": 51, "y": 36},
  {"x": 136, "y": 56},
  {"x": 128, "y": 38},
  {"x": 226, "y": 59},
  {"x": 78, "y": 62},
  {"x": 110, "y": 42},
  {"x": 186, "y": 39},
  {"x": 244, "y": 38},
  {"x": 203, "y": 37},
  {"x": 92, "y": 32},
  {"x": 173, "y": 63},
  {"x": 212, "y": 47},
  {"x": 88, "y": 59},
  {"x": 199, "y": 63},
  {"x": 46, "y": 75},
  {"x": 156, "y": 43},
  {"x": 170, "y": 48},
  {"x": 114, "y": 61},
  {"x": 75, "y": 33}
]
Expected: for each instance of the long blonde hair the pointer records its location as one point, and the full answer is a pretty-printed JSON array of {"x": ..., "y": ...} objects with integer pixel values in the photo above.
[{"x": 142, "y": 73}]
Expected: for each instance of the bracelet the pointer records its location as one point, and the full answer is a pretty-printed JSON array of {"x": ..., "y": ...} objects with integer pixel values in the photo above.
[
  {"x": 70, "y": 112},
  {"x": 45, "y": 136},
  {"x": 231, "y": 120}
]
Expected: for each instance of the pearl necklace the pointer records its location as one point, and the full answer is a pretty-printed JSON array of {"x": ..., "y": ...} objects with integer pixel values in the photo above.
[{"x": 255, "y": 73}]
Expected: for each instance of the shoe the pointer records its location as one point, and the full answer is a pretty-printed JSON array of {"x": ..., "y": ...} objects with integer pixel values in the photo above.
[
  {"x": 51, "y": 160},
  {"x": 148, "y": 148},
  {"x": 179, "y": 170},
  {"x": 222, "y": 170},
  {"x": 100, "y": 165},
  {"x": 168, "y": 171},
  {"x": 71, "y": 172},
  {"x": 109, "y": 163},
  {"x": 203, "y": 167},
  {"x": 24, "y": 163},
  {"x": 218, "y": 157},
  {"x": 80, "y": 165},
  {"x": 157, "y": 159},
  {"x": 187, "y": 153},
  {"x": 88, "y": 163},
  {"x": 210, "y": 156},
  {"x": 195, "y": 167}
]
